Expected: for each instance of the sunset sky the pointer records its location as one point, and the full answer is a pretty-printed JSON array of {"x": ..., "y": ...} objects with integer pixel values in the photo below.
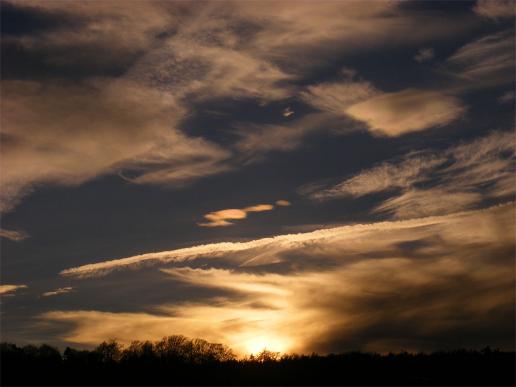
[{"x": 298, "y": 176}]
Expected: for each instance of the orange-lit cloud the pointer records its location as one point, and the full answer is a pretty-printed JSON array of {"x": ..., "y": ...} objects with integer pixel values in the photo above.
[
  {"x": 456, "y": 175},
  {"x": 412, "y": 285},
  {"x": 411, "y": 110},
  {"x": 222, "y": 218},
  {"x": 58, "y": 291},
  {"x": 227, "y": 50},
  {"x": 487, "y": 61},
  {"x": 116, "y": 126},
  {"x": 495, "y": 9},
  {"x": 14, "y": 235},
  {"x": 270, "y": 250},
  {"x": 336, "y": 97},
  {"x": 259, "y": 139},
  {"x": 6, "y": 289}
]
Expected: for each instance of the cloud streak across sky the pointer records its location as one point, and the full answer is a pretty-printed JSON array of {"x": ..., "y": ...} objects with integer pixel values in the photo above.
[
  {"x": 327, "y": 296},
  {"x": 259, "y": 251}
]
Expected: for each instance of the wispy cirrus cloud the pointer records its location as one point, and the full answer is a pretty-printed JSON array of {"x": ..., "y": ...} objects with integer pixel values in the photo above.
[
  {"x": 461, "y": 177},
  {"x": 14, "y": 235},
  {"x": 487, "y": 61},
  {"x": 507, "y": 97},
  {"x": 255, "y": 140},
  {"x": 58, "y": 291},
  {"x": 97, "y": 35},
  {"x": 337, "y": 96},
  {"x": 424, "y": 55},
  {"x": 425, "y": 202},
  {"x": 495, "y": 9},
  {"x": 110, "y": 126},
  {"x": 327, "y": 300}
]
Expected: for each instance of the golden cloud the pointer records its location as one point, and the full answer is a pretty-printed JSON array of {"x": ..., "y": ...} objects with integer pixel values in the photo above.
[
  {"x": 413, "y": 285},
  {"x": 221, "y": 218},
  {"x": 14, "y": 235},
  {"x": 456, "y": 172},
  {"x": 58, "y": 291},
  {"x": 4, "y": 289},
  {"x": 356, "y": 238},
  {"x": 67, "y": 134},
  {"x": 411, "y": 110}
]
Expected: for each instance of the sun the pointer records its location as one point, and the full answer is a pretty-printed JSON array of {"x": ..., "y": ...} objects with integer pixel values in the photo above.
[{"x": 255, "y": 345}]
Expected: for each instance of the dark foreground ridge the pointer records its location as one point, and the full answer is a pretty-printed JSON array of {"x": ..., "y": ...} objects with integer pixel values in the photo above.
[{"x": 177, "y": 360}]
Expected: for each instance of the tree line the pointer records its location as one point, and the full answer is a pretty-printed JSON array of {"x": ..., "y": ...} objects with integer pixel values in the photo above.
[{"x": 177, "y": 360}]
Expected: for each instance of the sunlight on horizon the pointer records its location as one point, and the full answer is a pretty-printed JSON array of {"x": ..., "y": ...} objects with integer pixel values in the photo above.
[{"x": 258, "y": 343}]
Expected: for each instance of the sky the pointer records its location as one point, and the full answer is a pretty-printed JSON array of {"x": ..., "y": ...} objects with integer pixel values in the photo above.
[{"x": 292, "y": 175}]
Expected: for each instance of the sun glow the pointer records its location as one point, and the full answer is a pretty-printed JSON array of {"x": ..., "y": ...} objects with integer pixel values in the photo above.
[{"x": 256, "y": 344}]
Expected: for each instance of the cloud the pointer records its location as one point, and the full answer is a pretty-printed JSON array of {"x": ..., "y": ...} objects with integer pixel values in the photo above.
[
  {"x": 6, "y": 289},
  {"x": 488, "y": 61},
  {"x": 220, "y": 218},
  {"x": 236, "y": 49},
  {"x": 410, "y": 110},
  {"x": 68, "y": 133},
  {"x": 495, "y": 9},
  {"x": 58, "y": 291},
  {"x": 425, "y": 202},
  {"x": 172, "y": 56},
  {"x": 258, "y": 139},
  {"x": 336, "y": 97},
  {"x": 229, "y": 48},
  {"x": 429, "y": 183},
  {"x": 195, "y": 70},
  {"x": 259, "y": 208},
  {"x": 385, "y": 176},
  {"x": 422, "y": 284},
  {"x": 507, "y": 97},
  {"x": 291, "y": 30},
  {"x": 287, "y": 112},
  {"x": 424, "y": 55},
  {"x": 92, "y": 31},
  {"x": 14, "y": 235},
  {"x": 250, "y": 253}
]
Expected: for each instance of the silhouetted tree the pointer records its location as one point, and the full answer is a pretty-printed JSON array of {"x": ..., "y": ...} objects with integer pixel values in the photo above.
[
  {"x": 177, "y": 360},
  {"x": 109, "y": 351}
]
